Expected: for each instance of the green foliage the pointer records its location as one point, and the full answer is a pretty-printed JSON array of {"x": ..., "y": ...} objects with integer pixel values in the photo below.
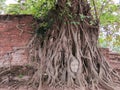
[
  {"x": 109, "y": 15},
  {"x": 13, "y": 9},
  {"x": 82, "y": 17},
  {"x": 68, "y": 3},
  {"x": 2, "y": 5},
  {"x": 75, "y": 23},
  {"x": 20, "y": 76},
  {"x": 37, "y": 8}
]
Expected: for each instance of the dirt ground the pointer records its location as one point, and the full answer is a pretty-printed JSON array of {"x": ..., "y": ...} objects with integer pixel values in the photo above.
[
  {"x": 20, "y": 74},
  {"x": 21, "y": 88},
  {"x": 45, "y": 88}
]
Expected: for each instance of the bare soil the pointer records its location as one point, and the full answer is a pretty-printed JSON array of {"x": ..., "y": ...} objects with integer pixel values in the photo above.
[{"x": 16, "y": 77}]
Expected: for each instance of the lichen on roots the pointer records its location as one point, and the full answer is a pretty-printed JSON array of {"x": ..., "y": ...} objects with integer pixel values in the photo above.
[{"x": 68, "y": 55}]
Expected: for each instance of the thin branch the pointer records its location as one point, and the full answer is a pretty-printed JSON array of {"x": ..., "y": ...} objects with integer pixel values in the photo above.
[{"x": 96, "y": 14}]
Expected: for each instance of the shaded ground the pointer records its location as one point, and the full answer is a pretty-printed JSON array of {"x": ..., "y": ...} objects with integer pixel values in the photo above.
[
  {"x": 16, "y": 78},
  {"x": 21, "y": 88}
]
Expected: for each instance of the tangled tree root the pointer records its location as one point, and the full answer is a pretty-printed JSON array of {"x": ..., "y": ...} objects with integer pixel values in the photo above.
[
  {"x": 68, "y": 56},
  {"x": 15, "y": 76}
]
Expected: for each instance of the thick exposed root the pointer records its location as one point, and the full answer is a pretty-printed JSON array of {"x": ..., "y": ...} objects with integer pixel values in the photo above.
[
  {"x": 71, "y": 59},
  {"x": 68, "y": 56},
  {"x": 15, "y": 76}
]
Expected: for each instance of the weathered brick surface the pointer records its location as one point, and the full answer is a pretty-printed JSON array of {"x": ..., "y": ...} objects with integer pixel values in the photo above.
[
  {"x": 15, "y": 33},
  {"x": 105, "y": 52},
  {"x": 112, "y": 57}
]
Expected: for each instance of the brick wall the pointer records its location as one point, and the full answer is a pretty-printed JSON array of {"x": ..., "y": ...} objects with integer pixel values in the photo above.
[
  {"x": 114, "y": 60},
  {"x": 112, "y": 57},
  {"x": 105, "y": 52},
  {"x": 15, "y": 32}
]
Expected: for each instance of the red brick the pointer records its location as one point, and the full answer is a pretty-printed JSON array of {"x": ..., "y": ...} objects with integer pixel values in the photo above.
[{"x": 11, "y": 35}]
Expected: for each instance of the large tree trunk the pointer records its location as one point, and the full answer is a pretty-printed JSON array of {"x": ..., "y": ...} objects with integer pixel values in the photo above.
[{"x": 68, "y": 55}]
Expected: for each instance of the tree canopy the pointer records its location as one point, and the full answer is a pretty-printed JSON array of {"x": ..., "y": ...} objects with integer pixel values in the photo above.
[{"x": 2, "y": 6}]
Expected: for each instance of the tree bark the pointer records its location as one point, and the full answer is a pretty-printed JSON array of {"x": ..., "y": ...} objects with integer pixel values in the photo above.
[{"x": 68, "y": 55}]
